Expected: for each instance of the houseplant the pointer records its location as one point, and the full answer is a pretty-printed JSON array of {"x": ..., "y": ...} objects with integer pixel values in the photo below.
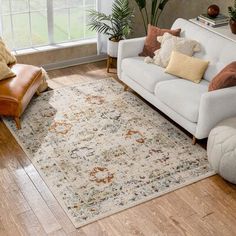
[
  {"x": 232, "y": 14},
  {"x": 117, "y": 25},
  {"x": 157, "y": 6}
]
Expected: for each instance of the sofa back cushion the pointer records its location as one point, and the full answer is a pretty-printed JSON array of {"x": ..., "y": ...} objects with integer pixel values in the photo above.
[{"x": 215, "y": 48}]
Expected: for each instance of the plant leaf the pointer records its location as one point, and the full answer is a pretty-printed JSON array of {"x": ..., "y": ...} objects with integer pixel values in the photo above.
[
  {"x": 162, "y": 4},
  {"x": 117, "y": 25},
  {"x": 141, "y": 4}
]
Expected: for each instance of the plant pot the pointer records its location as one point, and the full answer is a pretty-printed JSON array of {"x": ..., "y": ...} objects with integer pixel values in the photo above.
[
  {"x": 232, "y": 24},
  {"x": 112, "y": 48}
]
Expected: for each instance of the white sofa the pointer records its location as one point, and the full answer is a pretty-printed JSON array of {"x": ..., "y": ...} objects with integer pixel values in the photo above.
[{"x": 188, "y": 104}]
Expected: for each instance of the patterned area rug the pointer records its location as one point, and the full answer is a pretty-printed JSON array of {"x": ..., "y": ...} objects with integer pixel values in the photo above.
[{"x": 102, "y": 150}]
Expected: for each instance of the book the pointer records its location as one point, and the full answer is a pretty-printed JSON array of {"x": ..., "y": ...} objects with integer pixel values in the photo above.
[
  {"x": 219, "y": 19},
  {"x": 212, "y": 24}
]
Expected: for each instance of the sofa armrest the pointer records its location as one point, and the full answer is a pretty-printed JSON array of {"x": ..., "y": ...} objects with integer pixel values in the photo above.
[
  {"x": 129, "y": 48},
  {"x": 215, "y": 106}
]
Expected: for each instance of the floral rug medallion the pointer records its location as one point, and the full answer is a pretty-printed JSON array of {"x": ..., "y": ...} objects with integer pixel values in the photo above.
[{"x": 102, "y": 150}]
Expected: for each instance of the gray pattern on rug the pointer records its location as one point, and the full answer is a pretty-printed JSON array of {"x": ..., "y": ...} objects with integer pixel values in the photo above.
[{"x": 102, "y": 150}]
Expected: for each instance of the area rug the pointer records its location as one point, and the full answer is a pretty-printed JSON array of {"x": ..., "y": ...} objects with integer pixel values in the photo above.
[{"x": 101, "y": 150}]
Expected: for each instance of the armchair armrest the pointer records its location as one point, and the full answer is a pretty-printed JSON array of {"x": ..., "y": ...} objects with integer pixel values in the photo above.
[
  {"x": 129, "y": 48},
  {"x": 215, "y": 106}
]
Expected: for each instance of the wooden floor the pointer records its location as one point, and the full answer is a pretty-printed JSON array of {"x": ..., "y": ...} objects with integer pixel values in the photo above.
[{"x": 27, "y": 207}]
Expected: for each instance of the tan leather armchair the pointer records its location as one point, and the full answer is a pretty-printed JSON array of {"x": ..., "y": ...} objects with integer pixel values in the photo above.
[{"x": 16, "y": 93}]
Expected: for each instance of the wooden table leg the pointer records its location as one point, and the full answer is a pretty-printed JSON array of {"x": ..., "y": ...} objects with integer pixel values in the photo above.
[{"x": 108, "y": 64}]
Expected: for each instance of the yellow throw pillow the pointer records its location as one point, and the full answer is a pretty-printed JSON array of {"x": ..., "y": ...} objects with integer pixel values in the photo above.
[
  {"x": 5, "y": 54},
  {"x": 186, "y": 67},
  {"x": 5, "y": 71}
]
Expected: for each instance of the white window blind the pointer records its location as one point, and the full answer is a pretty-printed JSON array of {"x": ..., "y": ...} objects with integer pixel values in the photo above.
[{"x": 33, "y": 23}]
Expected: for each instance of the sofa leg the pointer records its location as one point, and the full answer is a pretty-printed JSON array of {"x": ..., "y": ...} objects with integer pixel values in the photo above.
[
  {"x": 126, "y": 87},
  {"x": 194, "y": 140},
  {"x": 37, "y": 93},
  {"x": 17, "y": 121}
]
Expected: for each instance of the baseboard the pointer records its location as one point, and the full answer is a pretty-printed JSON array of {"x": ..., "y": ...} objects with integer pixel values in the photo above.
[{"x": 74, "y": 62}]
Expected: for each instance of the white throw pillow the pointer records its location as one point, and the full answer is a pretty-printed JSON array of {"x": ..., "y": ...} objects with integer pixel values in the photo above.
[{"x": 171, "y": 43}]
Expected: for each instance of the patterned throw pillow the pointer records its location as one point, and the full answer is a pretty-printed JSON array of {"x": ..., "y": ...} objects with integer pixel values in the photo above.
[
  {"x": 5, "y": 71},
  {"x": 171, "y": 43},
  {"x": 5, "y": 54},
  {"x": 151, "y": 43}
]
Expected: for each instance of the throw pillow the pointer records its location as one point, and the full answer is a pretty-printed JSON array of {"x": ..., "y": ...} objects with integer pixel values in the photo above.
[
  {"x": 5, "y": 54},
  {"x": 171, "y": 43},
  {"x": 151, "y": 43},
  {"x": 186, "y": 67},
  {"x": 226, "y": 78},
  {"x": 5, "y": 71}
]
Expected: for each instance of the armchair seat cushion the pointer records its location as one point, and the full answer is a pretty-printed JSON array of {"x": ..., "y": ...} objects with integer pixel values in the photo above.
[
  {"x": 16, "y": 92},
  {"x": 146, "y": 75},
  {"x": 182, "y": 96}
]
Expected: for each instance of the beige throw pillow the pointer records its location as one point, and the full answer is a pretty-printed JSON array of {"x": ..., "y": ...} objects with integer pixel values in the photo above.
[
  {"x": 186, "y": 67},
  {"x": 6, "y": 55},
  {"x": 171, "y": 43},
  {"x": 5, "y": 71}
]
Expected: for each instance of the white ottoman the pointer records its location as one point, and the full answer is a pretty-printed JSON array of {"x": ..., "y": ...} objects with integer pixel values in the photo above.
[{"x": 221, "y": 149}]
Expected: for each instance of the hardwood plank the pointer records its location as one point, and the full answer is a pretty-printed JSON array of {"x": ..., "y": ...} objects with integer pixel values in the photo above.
[
  {"x": 2, "y": 228},
  {"x": 30, "y": 224},
  {"x": 208, "y": 209},
  {"x": 10, "y": 225},
  {"x": 47, "y": 195},
  {"x": 58, "y": 233},
  {"x": 94, "y": 229},
  {"x": 15, "y": 206},
  {"x": 34, "y": 199},
  {"x": 183, "y": 215},
  {"x": 11, "y": 193},
  {"x": 30, "y": 193}
]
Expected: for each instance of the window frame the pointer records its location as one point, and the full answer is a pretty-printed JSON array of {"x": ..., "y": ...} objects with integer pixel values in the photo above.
[{"x": 50, "y": 24}]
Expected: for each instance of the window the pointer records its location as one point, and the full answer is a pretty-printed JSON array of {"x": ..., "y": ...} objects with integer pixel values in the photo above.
[{"x": 32, "y": 23}]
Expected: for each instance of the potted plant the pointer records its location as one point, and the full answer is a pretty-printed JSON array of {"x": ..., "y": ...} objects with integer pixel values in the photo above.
[
  {"x": 157, "y": 6},
  {"x": 232, "y": 14},
  {"x": 117, "y": 25}
]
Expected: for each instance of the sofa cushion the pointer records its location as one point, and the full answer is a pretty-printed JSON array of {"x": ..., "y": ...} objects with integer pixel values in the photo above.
[
  {"x": 146, "y": 75},
  {"x": 182, "y": 96}
]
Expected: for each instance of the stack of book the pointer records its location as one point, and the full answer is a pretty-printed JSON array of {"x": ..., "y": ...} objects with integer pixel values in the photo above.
[{"x": 220, "y": 20}]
